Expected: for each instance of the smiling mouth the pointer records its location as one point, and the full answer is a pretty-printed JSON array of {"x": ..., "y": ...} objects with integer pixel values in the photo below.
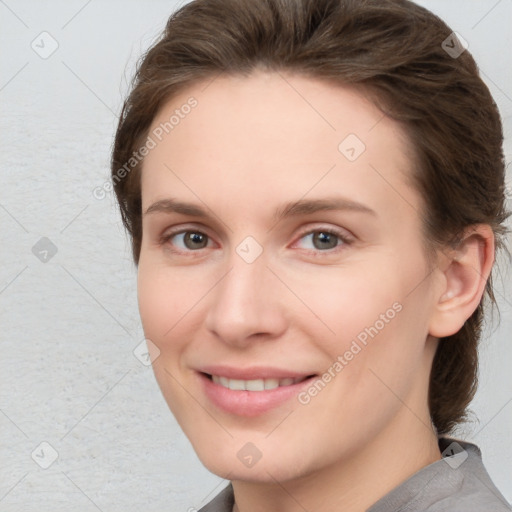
[{"x": 255, "y": 384}]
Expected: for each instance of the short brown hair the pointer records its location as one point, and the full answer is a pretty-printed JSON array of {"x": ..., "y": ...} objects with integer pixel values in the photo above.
[{"x": 396, "y": 50}]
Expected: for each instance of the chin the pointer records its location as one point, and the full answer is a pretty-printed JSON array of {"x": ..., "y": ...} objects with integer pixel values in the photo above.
[{"x": 274, "y": 465}]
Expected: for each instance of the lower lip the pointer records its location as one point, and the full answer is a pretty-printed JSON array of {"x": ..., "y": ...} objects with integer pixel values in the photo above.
[{"x": 250, "y": 403}]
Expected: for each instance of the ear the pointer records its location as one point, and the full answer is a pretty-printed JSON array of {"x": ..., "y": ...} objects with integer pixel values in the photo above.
[{"x": 464, "y": 275}]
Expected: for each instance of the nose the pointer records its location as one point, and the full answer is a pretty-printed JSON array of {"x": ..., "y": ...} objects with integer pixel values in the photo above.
[{"x": 246, "y": 304}]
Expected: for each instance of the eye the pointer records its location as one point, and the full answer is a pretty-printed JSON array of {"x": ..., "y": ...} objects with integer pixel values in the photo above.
[
  {"x": 187, "y": 240},
  {"x": 323, "y": 240}
]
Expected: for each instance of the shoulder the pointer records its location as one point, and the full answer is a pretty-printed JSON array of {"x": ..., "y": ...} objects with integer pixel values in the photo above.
[
  {"x": 223, "y": 502},
  {"x": 458, "y": 482},
  {"x": 477, "y": 501},
  {"x": 472, "y": 490}
]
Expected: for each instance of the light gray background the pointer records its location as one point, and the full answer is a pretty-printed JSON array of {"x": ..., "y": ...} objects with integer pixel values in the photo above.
[{"x": 69, "y": 325}]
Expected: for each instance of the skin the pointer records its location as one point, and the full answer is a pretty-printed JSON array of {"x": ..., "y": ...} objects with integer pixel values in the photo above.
[{"x": 251, "y": 145}]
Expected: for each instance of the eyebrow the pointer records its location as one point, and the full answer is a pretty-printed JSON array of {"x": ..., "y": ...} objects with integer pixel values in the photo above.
[{"x": 291, "y": 209}]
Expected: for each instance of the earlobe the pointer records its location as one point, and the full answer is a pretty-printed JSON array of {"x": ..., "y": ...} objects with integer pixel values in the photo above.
[{"x": 465, "y": 277}]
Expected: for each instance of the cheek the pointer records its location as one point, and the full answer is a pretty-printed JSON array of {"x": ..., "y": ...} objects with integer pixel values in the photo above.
[
  {"x": 152, "y": 299},
  {"x": 372, "y": 362},
  {"x": 367, "y": 322},
  {"x": 163, "y": 303},
  {"x": 344, "y": 303},
  {"x": 163, "y": 306}
]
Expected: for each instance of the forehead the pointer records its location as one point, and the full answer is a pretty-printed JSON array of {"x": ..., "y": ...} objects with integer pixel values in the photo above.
[{"x": 274, "y": 134}]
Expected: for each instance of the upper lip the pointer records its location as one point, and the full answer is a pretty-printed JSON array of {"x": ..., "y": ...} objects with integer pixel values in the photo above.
[{"x": 253, "y": 372}]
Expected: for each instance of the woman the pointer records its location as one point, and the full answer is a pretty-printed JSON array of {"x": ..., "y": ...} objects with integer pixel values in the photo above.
[{"x": 314, "y": 191}]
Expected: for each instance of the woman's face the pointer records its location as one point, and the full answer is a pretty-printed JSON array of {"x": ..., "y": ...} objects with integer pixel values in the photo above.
[{"x": 281, "y": 241}]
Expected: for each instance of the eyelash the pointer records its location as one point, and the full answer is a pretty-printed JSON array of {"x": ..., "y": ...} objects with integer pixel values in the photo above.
[{"x": 343, "y": 239}]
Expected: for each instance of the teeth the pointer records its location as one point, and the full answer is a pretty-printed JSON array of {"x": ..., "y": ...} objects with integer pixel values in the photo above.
[
  {"x": 254, "y": 385},
  {"x": 236, "y": 384}
]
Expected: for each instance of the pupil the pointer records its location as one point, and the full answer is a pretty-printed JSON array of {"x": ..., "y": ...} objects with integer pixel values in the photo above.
[
  {"x": 193, "y": 240},
  {"x": 324, "y": 240}
]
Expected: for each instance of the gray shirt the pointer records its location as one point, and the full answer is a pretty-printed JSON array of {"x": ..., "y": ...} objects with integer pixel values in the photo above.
[{"x": 458, "y": 482}]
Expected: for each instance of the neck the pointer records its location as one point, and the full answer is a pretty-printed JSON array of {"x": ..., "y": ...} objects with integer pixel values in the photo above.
[{"x": 353, "y": 483}]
